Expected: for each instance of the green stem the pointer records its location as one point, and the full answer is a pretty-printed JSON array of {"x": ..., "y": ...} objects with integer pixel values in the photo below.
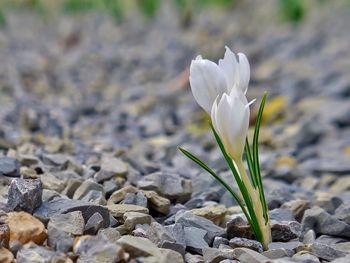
[{"x": 257, "y": 204}]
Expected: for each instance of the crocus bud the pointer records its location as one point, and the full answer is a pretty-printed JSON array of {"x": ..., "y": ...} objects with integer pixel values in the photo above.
[
  {"x": 230, "y": 118},
  {"x": 209, "y": 80},
  {"x": 237, "y": 73}
]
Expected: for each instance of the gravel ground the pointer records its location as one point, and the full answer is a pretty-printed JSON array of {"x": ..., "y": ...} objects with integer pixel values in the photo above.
[{"x": 92, "y": 114}]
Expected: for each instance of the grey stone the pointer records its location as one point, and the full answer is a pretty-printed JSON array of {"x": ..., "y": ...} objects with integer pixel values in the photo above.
[
  {"x": 98, "y": 249},
  {"x": 52, "y": 182},
  {"x": 110, "y": 167},
  {"x": 110, "y": 186},
  {"x": 112, "y": 221},
  {"x": 219, "y": 240},
  {"x": 131, "y": 219},
  {"x": 247, "y": 243},
  {"x": 109, "y": 233},
  {"x": 343, "y": 212},
  {"x": 245, "y": 255},
  {"x": 63, "y": 228},
  {"x": 189, "y": 258},
  {"x": 323, "y": 223},
  {"x": 303, "y": 256},
  {"x": 195, "y": 239},
  {"x": 9, "y": 166},
  {"x": 223, "y": 246},
  {"x": 55, "y": 159},
  {"x": 238, "y": 227},
  {"x": 169, "y": 255},
  {"x": 187, "y": 219},
  {"x": 118, "y": 210},
  {"x": 139, "y": 247},
  {"x": 309, "y": 237},
  {"x": 281, "y": 214},
  {"x": 86, "y": 187},
  {"x": 291, "y": 245},
  {"x": 49, "y": 195},
  {"x": 120, "y": 194},
  {"x": 62, "y": 206},
  {"x": 278, "y": 253},
  {"x": 95, "y": 197},
  {"x": 278, "y": 197},
  {"x": 24, "y": 195},
  {"x": 137, "y": 198},
  {"x": 72, "y": 185},
  {"x": 195, "y": 202},
  {"x": 176, "y": 208},
  {"x": 212, "y": 211},
  {"x": 140, "y": 230},
  {"x": 180, "y": 248},
  {"x": 28, "y": 173},
  {"x": 330, "y": 240},
  {"x": 94, "y": 223},
  {"x": 283, "y": 260},
  {"x": 170, "y": 220},
  {"x": 285, "y": 231},
  {"x": 327, "y": 165},
  {"x": 343, "y": 246},
  {"x": 27, "y": 159},
  {"x": 159, "y": 234},
  {"x": 157, "y": 202},
  {"x": 345, "y": 259},
  {"x": 178, "y": 232},
  {"x": 38, "y": 254},
  {"x": 169, "y": 185},
  {"x": 215, "y": 255},
  {"x": 326, "y": 252},
  {"x": 327, "y": 201}
]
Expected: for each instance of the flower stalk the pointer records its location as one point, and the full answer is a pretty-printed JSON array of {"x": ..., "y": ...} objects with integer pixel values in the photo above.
[
  {"x": 257, "y": 206},
  {"x": 220, "y": 90}
]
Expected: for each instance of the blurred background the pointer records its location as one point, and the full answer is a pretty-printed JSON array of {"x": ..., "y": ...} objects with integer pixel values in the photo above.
[{"x": 80, "y": 77}]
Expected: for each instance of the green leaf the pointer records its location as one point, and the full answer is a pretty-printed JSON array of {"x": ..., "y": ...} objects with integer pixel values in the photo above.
[
  {"x": 250, "y": 162},
  {"x": 247, "y": 199},
  {"x": 256, "y": 156},
  {"x": 210, "y": 171},
  {"x": 223, "y": 183}
]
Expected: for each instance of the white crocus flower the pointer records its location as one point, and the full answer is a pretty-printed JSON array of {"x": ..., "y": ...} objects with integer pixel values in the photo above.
[
  {"x": 220, "y": 90},
  {"x": 230, "y": 118},
  {"x": 209, "y": 80}
]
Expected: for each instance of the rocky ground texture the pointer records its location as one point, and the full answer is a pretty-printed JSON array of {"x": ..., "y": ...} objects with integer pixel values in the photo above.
[{"x": 91, "y": 115}]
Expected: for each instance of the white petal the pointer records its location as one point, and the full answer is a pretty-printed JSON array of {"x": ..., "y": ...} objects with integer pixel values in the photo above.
[
  {"x": 244, "y": 72},
  {"x": 251, "y": 102},
  {"x": 213, "y": 114},
  {"x": 223, "y": 120},
  {"x": 238, "y": 130},
  {"x": 207, "y": 82},
  {"x": 229, "y": 67},
  {"x": 238, "y": 93}
]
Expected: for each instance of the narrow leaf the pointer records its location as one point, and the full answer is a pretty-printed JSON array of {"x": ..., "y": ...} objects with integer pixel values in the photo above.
[
  {"x": 247, "y": 199},
  {"x": 250, "y": 162},
  {"x": 256, "y": 156},
  {"x": 219, "y": 179}
]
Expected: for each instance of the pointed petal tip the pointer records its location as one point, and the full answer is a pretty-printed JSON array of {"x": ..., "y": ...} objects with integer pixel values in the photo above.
[
  {"x": 251, "y": 102},
  {"x": 228, "y": 50},
  {"x": 242, "y": 56}
]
